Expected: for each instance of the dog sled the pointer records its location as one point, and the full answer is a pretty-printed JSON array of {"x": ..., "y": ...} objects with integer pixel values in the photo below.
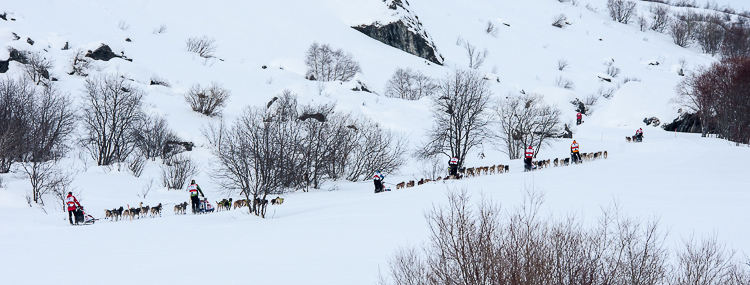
[
  {"x": 205, "y": 207},
  {"x": 82, "y": 218}
]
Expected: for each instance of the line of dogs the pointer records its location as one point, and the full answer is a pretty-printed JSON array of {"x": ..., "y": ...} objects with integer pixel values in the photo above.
[
  {"x": 181, "y": 208},
  {"x": 137, "y": 213},
  {"x": 463, "y": 172},
  {"x": 487, "y": 170},
  {"x": 590, "y": 156}
]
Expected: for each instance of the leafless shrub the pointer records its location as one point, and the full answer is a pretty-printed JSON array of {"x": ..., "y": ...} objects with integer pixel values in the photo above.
[
  {"x": 559, "y": 20},
  {"x": 432, "y": 167},
  {"x": 707, "y": 261},
  {"x": 710, "y": 37},
  {"x": 203, "y": 46},
  {"x": 628, "y": 79},
  {"x": 151, "y": 137},
  {"x": 123, "y": 25},
  {"x": 136, "y": 163},
  {"x": 606, "y": 92},
  {"x": 160, "y": 29},
  {"x": 482, "y": 245},
  {"x": 612, "y": 71},
  {"x": 80, "y": 64},
  {"x": 589, "y": 101},
  {"x": 111, "y": 113},
  {"x": 37, "y": 68},
  {"x": 325, "y": 64},
  {"x": 563, "y": 82},
  {"x": 661, "y": 17},
  {"x": 491, "y": 29},
  {"x": 147, "y": 188},
  {"x": 3, "y": 184},
  {"x": 621, "y": 10},
  {"x": 46, "y": 178},
  {"x": 476, "y": 58},
  {"x": 526, "y": 120},
  {"x": 736, "y": 41},
  {"x": 209, "y": 100},
  {"x": 643, "y": 23},
  {"x": 410, "y": 85},
  {"x": 562, "y": 64},
  {"x": 461, "y": 120},
  {"x": 176, "y": 171}
]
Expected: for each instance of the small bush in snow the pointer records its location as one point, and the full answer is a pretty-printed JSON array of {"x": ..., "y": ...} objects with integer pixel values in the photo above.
[
  {"x": 122, "y": 25},
  {"x": 606, "y": 92},
  {"x": 156, "y": 80},
  {"x": 160, "y": 29},
  {"x": 680, "y": 33},
  {"x": 621, "y": 10},
  {"x": 491, "y": 29},
  {"x": 476, "y": 58},
  {"x": 208, "y": 100},
  {"x": 562, "y": 64},
  {"x": 37, "y": 67},
  {"x": 559, "y": 20},
  {"x": 176, "y": 171},
  {"x": 325, "y": 64},
  {"x": 80, "y": 64},
  {"x": 203, "y": 46},
  {"x": 564, "y": 83},
  {"x": 410, "y": 85},
  {"x": 612, "y": 71},
  {"x": 152, "y": 136}
]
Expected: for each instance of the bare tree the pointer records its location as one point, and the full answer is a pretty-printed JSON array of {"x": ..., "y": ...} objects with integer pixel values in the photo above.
[
  {"x": 621, "y": 10},
  {"x": 432, "y": 167},
  {"x": 410, "y": 85},
  {"x": 16, "y": 102},
  {"x": 461, "y": 120},
  {"x": 152, "y": 136},
  {"x": 177, "y": 171},
  {"x": 111, "y": 114},
  {"x": 680, "y": 33},
  {"x": 736, "y": 41},
  {"x": 525, "y": 120},
  {"x": 325, "y": 64},
  {"x": 377, "y": 149},
  {"x": 476, "y": 58},
  {"x": 209, "y": 100},
  {"x": 203, "y": 46},
  {"x": 661, "y": 17},
  {"x": 710, "y": 36}
]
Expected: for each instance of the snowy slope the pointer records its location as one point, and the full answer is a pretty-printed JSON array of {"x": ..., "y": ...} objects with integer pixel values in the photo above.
[{"x": 344, "y": 236}]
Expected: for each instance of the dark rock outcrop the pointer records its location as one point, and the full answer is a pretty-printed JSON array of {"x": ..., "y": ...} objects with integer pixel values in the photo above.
[
  {"x": 686, "y": 123},
  {"x": 406, "y": 34},
  {"x": 102, "y": 53},
  {"x": 15, "y": 55}
]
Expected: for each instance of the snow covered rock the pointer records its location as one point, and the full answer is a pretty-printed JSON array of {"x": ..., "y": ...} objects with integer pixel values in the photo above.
[{"x": 405, "y": 32}]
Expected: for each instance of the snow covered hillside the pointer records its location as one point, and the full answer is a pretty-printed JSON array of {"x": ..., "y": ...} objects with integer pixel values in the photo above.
[{"x": 342, "y": 233}]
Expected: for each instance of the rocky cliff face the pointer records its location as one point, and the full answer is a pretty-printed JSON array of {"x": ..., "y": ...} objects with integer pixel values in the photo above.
[{"x": 406, "y": 33}]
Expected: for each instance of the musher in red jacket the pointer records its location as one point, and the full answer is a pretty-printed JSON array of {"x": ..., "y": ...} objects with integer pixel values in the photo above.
[
  {"x": 527, "y": 159},
  {"x": 578, "y": 118},
  {"x": 72, "y": 203}
]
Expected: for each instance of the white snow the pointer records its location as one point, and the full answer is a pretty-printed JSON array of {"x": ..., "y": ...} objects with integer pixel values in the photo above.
[{"x": 342, "y": 233}]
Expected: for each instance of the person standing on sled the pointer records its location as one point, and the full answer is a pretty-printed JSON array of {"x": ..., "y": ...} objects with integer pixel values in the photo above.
[
  {"x": 72, "y": 203},
  {"x": 378, "y": 180},
  {"x": 578, "y": 118},
  {"x": 454, "y": 167},
  {"x": 194, "y": 189},
  {"x": 639, "y": 135},
  {"x": 527, "y": 160},
  {"x": 576, "y": 156}
]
